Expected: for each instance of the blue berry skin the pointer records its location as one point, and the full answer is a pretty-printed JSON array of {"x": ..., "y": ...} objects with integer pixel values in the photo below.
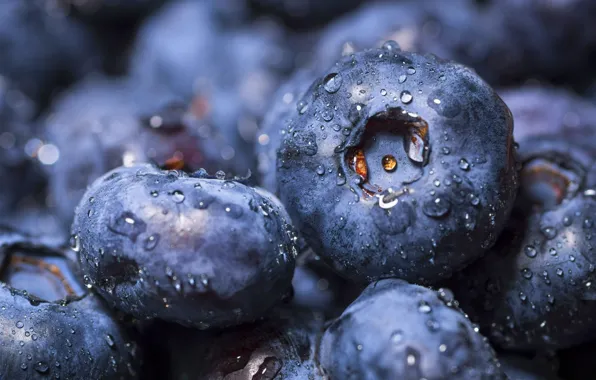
[
  {"x": 281, "y": 111},
  {"x": 534, "y": 289},
  {"x": 49, "y": 326},
  {"x": 453, "y": 180},
  {"x": 202, "y": 252},
  {"x": 395, "y": 330},
  {"x": 280, "y": 347}
]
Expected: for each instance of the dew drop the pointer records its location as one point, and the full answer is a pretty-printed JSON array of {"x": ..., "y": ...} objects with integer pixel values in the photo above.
[
  {"x": 109, "y": 340},
  {"x": 41, "y": 367},
  {"x": 391, "y": 45},
  {"x": 389, "y": 163},
  {"x": 332, "y": 83},
  {"x": 406, "y": 97},
  {"x": 464, "y": 164},
  {"x": 530, "y": 251},
  {"x": 151, "y": 242},
  {"x": 302, "y": 107}
]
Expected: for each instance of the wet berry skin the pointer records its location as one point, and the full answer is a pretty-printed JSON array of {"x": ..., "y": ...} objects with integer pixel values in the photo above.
[
  {"x": 280, "y": 347},
  {"x": 398, "y": 165},
  {"x": 198, "y": 251},
  {"x": 50, "y": 326},
  {"x": 395, "y": 330},
  {"x": 535, "y": 288},
  {"x": 281, "y": 111}
]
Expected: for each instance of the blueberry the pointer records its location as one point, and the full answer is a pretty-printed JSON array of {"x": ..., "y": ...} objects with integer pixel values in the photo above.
[
  {"x": 202, "y": 252},
  {"x": 548, "y": 110},
  {"x": 41, "y": 47},
  {"x": 388, "y": 178},
  {"x": 280, "y": 347},
  {"x": 395, "y": 330},
  {"x": 228, "y": 74},
  {"x": 101, "y": 124},
  {"x": 534, "y": 289},
  {"x": 50, "y": 327}
]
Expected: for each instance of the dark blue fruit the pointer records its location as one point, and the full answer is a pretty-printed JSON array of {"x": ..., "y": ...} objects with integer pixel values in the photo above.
[
  {"x": 228, "y": 74},
  {"x": 101, "y": 124},
  {"x": 535, "y": 289},
  {"x": 398, "y": 165},
  {"x": 41, "y": 46},
  {"x": 281, "y": 347},
  {"x": 196, "y": 250},
  {"x": 395, "y": 330},
  {"x": 49, "y": 326},
  {"x": 548, "y": 110}
]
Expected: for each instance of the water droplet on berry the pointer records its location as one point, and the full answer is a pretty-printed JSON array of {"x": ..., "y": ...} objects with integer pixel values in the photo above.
[
  {"x": 389, "y": 163},
  {"x": 530, "y": 251},
  {"x": 332, "y": 83},
  {"x": 178, "y": 196},
  {"x": 391, "y": 45},
  {"x": 406, "y": 97}
]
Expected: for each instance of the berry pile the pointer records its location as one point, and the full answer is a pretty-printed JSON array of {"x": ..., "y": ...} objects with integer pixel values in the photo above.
[{"x": 297, "y": 190}]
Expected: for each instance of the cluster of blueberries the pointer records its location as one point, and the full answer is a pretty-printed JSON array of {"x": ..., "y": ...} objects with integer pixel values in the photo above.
[{"x": 297, "y": 189}]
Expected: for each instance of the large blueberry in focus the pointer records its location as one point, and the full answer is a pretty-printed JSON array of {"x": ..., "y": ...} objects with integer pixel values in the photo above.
[
  {"x": 398, "y": 165},
  {"x": 50, "y": 327},
  {"x": 535, "y": 288},
  {"x": 395, "y": 330},
  {"x": 281, "y": 347},
  {"x": 199, "y": 251}
]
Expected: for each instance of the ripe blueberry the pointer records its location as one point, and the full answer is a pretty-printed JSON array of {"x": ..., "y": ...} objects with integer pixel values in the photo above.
[
  {"x": 197, "y": 250},
  {"x": 398, "y": 178}
]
